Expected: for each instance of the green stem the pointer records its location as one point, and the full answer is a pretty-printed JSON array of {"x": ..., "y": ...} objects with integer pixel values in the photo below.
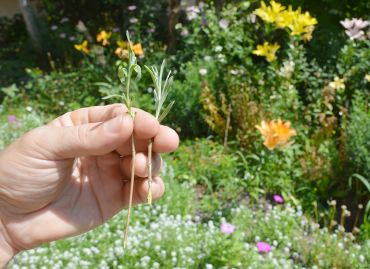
[
  {"x": 133, "y": 153},
  {"x": 150, "y": 168},
  {"x": 316, "y": 214},
  {"x": 332, "y": 217},
  {"x": 128, "y": 94},
  {"x": 357, "y": 218}
]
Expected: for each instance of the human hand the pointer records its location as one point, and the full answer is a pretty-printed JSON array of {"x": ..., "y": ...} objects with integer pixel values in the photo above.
[{"x": 70, "y": 176}]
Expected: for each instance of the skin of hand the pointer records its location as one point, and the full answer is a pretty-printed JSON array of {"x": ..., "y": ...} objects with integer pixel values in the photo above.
[{"x": 73, "y": 174}]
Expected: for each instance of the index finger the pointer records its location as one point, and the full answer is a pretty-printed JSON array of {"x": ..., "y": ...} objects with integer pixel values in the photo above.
[{"x": 90, "y": 115}]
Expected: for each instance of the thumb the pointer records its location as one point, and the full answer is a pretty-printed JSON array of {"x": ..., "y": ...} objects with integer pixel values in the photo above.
[{"x": 82, "y": 140}]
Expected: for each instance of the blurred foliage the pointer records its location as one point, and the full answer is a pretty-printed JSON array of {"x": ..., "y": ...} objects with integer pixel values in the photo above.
[
  {"x": 358, "y": 135},
  {"x": 56, "y": 92},
  {"x": 16, "y": 52},
  {"x": 205, "y": 162}
]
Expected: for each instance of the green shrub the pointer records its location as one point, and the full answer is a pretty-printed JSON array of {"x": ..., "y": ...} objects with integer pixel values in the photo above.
[
  {"x": 186, "y": 114},
  {"x": 57, "y": 92},
  {"x": 205, "y": 162},
  {"x": 358, "y": 135},
  {"x": 179, "y": 197}
]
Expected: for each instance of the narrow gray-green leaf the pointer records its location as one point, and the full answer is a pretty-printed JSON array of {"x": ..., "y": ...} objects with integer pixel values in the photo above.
[
  {"x": 103, "y": 84},
  {"x": 112, "y": 96},
  {"x": 166, "y": 111},
  {"x": 137, "y": 70},
  {"x": 122, "y": 74}
]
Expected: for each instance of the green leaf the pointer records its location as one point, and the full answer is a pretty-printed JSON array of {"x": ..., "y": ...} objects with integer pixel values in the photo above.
[
  {"x": 152, "y": 74},
  {"x": 137, "y": 70},
  {"x": 367, "y": 210},
  {"x": 113, "y": 96},
  {"x": 122, "y": 74},
  {"x": 362, "y": 179},
  {"x": 166, "y": 111},
  {"x": 11, "y": 91},
  {"x": 103, "y": 84}
]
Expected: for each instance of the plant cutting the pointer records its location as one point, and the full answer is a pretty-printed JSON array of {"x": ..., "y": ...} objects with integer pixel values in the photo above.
[
  {"x": 125, "y": 73},
  {"x": 161, "y": 90}
]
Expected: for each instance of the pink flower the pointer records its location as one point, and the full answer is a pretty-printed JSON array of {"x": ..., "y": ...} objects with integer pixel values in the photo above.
[
  {"x": 263, "y": 247},
  {"x": 354, "y": 27},
  {"x": 192, "y": 12},
  {"x": 63, "y": 20},
  {"x": 227, "y": 228},
  {"x": 131, "y": 8},
  {"x": 278, "y": 199},
  {"x": 184, "y": 32},
  {"x": 223, "y": 23},
  {"x": 12, "y": 119}
]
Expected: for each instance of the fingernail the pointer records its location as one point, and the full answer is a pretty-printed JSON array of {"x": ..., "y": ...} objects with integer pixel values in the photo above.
[{"x": 113, "y": 125}]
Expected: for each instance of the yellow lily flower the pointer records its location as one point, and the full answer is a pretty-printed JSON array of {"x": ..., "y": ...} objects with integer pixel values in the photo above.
[
  {"x": 122, "y": 44},
  {"x": 82, "y": 47},
  {"x": 302, "y": 24},
  {"x": 299, "y": 24},
  {"x": 285, "y": 18},
  {"x": 267, "y": 50},
  {"x": 367, "y": 77},
  {"x": 103, "y": 37},
  {"x": 337, "y": 84},
  {"x": 269, "y": 13}
]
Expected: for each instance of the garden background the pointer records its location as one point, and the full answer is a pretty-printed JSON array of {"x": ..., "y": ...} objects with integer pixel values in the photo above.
[{"x": 272, "y": 106}]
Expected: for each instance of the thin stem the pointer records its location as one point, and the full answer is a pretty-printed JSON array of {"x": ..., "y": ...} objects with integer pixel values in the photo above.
[
  {"x": 332, "y": 217},
  {"x": 357, "y": 218},
  {"x": 160, "y": 95},
  {"x": 133, "y": 152},
  {"x": 227, "y": 127},
  {"x": 316, "y": 215},
  {"x": 150, "y": 167},
  {"x": 128, "y": 93},
  {"x": 342, "y": 216}
]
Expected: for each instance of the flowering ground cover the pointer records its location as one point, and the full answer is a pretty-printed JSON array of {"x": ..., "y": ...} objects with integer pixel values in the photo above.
[{"x": 268, "y": 235}]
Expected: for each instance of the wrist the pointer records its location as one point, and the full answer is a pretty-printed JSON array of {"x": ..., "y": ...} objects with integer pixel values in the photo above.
[{"x": 7, "y": 252}]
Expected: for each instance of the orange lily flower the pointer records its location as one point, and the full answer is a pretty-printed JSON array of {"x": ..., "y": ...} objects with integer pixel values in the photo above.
[
  {"x": 138, "y": 49},
  {"x": 276, "y": 133}
]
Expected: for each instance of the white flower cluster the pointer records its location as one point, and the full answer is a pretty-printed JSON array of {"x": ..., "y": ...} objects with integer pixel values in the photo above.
[{"x": 161, "y": 240}]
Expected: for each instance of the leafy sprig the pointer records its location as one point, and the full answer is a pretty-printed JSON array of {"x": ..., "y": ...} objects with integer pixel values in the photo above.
[
  {"x": 161, "y": 90},
  {"x": 125, "y": 73}
]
